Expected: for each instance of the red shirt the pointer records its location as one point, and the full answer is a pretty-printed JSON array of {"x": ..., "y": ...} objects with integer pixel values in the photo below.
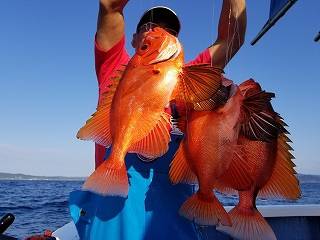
[{"x": 107, "y": 63}]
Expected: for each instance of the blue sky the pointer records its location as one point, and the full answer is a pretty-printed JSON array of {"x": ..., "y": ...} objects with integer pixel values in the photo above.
[{"x": 48, "y": 84}]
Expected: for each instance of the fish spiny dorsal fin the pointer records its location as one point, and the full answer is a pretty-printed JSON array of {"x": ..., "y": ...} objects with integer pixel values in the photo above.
[
  {"x": 155, "y": 144},
  {"x": 107, "y": 97},
  {"x": 283, "y": 182},
  {"x": 258, "y": 117},
  {"x": 198, "y": 83},
  {"x": 97, "y": 127}
]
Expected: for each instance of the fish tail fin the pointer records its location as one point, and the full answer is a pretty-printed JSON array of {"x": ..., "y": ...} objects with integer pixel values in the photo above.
[
  {"x": 205, "y": 211},
  {"x": 110, "y": 178},
  {"x": 248, "y": 224}
]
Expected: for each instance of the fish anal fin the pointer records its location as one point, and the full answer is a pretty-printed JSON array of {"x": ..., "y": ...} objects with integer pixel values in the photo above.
[
  {"x": 283, "y": 182},
  {"x": 180, "y": 171},
  {"x": 248, "y": 224},
  {"x": 155, "y": 144}
]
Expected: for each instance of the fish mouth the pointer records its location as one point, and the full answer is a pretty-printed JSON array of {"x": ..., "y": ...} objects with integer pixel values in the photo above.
[{"x": 171, "y": 51}]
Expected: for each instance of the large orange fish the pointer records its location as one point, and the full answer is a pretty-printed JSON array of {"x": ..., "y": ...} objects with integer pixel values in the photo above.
[
  {"x": 269, "y": 164},
  {"x": 131, "y": 116}
]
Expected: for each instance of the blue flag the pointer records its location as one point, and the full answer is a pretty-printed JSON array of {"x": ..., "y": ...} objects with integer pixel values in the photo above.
[
  {"x": 277, "y": 9},
  {"x": 277, "y": 5}
]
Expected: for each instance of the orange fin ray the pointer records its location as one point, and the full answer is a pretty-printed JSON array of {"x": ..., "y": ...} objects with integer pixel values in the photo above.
[
  {"x": 283, "y": 182},
  {"x": 155, "y": 144},
  {"x": 248, "y": 224},
  {"x": 108, "y": 179},
  {"x": 236, "y": 176},
  {"x": 97, "y": 128},
  {"x": 198, "y": 83},
  {"x": 205, "y": 212},
  {"x": 180, "y": 172},
  {"x": 216, "y": 100},
  {"x": 259, "y": 119}
]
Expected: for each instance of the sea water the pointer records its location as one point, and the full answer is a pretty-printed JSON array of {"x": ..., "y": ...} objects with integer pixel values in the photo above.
[{"x": 40, "y": 204}]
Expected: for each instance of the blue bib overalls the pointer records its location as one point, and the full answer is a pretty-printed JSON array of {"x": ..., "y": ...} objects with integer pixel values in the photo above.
[{"x": 149, "y": 212}]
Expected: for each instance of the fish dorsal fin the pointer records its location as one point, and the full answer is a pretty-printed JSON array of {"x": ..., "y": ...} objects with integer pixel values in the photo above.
[
  {"x": 198, "y": 83},
  {"x": 237, "y": 175},
  {"x": 258, "y": 119},
  {"x": 283, "y": 182},
  {"x": 97, "y": 127},
  {"x": 180, "y": 172},
  {"x": 155, "y": 144}
]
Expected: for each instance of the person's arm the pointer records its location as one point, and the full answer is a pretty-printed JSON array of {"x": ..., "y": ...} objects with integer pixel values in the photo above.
[
  {"x": 231, "y": 32},
  {"x": 110, "y": 30},
  {"x": 110, "y": 26}
]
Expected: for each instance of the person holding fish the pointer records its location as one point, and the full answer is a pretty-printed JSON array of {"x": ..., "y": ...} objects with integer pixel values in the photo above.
[{"x": 129, "y": 195}]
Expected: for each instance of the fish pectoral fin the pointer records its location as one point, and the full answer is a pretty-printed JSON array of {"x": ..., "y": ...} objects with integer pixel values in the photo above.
[
  {"x": 283, "y": 182},
  {"x": 237, "y": 175},
  {"x": 180, "y": 171},
  {"x": 259, "y": 119},
  {"x": 218, "y": 99},
  {"x": 198, "y": 83},
  {"x": 155, "y": 144}
]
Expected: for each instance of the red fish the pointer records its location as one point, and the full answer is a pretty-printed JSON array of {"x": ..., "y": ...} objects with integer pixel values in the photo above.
[
  {"x": 131, "y": 117},
  {"x": 206, "y": 153},
  {"x": 269, "y": 165},
  {"x": 212, "y": 145}
]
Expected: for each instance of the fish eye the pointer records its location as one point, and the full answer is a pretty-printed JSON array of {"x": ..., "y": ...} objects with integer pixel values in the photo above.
[{"x": 144, "y": 47}]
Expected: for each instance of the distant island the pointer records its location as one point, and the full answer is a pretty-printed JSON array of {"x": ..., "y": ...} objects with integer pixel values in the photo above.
[
  {"x": 308, "y": 178},
  {"x": 19, "y": 176}
]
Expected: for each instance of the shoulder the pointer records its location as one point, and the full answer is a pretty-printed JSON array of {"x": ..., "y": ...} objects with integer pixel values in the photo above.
[{"x": 203, "y": 57}]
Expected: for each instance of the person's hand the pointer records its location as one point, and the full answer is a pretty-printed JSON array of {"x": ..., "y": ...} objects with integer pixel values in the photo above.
[{"x": 114, "y": 4}]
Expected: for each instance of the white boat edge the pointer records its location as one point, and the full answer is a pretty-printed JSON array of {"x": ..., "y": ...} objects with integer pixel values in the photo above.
[
  {"x": 66, "y": 232},
  {"x": 286, "y": 210},
  {"x": 69, "y": 231}
]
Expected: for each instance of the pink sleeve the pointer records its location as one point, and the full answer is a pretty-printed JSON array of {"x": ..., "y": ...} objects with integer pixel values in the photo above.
[
  {"x": 108, "y": 62},
  {"x": 203, "y": 57}
]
